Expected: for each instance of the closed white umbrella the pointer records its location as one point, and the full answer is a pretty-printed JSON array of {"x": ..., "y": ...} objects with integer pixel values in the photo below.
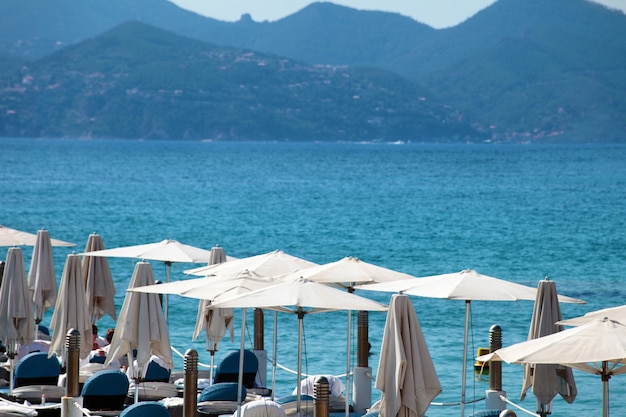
[
  {"x": 98, "y": 280},
  {"x": 71, "y": 310},
  {"x": 214, "y": 323},
  {"x": 41, "y": 276},
  {"x": 406, "y": 374},
  {"x": 467, "y": 285},
  {"x": 141, "y": 326},
  {"x": 598, "y": 347},
  {"x": 547, "y": 380},
  {"x": 16, "y": 307}
]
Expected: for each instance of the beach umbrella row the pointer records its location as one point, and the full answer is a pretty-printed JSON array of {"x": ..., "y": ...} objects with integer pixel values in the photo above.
[{"x": 467, "y": 285}]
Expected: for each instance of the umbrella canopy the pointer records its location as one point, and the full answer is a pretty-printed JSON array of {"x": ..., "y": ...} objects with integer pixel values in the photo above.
[
  {"x": 141, "y": 325},
  {"x": 467, "y": 285},
  {"x": 269, "y": 264},
  {"x": 301, "y": 297},
  {"x": 168, "y": 251},
  {"x": 14, "y": 237},
  {"x": 71, "y": 310},
  {"x": 211, "y": 287},
  {"x": 98, "y": 281},
  {"x": 547, "y": 380},
  {"x": 16, "y": 306},
  {"x": 406, "y": 374},
  {"x": 617, "y": 313},
  {"x": 598, "y": 347},
  {"x": 42, "y": 279},
  {"x": 349, "y": 270}
]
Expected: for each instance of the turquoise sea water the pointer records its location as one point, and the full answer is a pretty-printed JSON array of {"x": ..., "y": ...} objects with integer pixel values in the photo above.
[{"x": 511, "y": 211}]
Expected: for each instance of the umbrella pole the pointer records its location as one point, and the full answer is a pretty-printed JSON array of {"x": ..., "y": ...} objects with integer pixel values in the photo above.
[
  {"x": 10, "y": 376},
  {"x": 299, "y": 386},
  {"x": 135, "y": 376},
  {"x": 274, "y": 353},
  {"x": 167, "y": 297},
  {"x": 211, "y": 367},
  {"x": 241, "y": 352},
  {"x": 465, "y": 342},
  {"x": 605, "y": 388},
  {"x": 347, "y": 410}
]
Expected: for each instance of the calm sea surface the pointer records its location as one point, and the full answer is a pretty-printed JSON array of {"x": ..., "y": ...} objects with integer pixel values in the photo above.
[{"x": 515, "y": 212}]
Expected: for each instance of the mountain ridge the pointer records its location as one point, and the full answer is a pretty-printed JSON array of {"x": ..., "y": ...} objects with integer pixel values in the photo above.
[{"x": 477, "y": 67}]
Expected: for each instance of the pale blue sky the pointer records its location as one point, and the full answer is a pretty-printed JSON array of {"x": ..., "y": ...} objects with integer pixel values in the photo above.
[{"x": 436, "y": 13}]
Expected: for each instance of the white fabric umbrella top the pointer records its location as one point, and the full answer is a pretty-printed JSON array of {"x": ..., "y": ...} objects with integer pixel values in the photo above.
[
  {"x": 16, "y": 306},
  {"x": 598, "y": 347},
  {"x": 300, "y": 293},
  {"x": 141, "y": 324},
  {"x": 348, "y": 270},
  {"x": 98, "y": 281},
  {"x": 71, "y": 310},
  {"x": 579, "y": 347},
  {"x": 167, "y": 250},
  {"x": 617, "y": 313},
  {"x": 211, "y": 287},
  {"x": 14, "y": 237},
  {"x": 464, "y": 285},
  {"x": 547, "y": 380},
  {"x": 42, "y": 279},
  {"x": 269, "y": 264},
  {"x": 406, "y": 374}
]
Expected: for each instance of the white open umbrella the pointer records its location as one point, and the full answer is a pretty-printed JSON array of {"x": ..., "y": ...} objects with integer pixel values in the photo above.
[
  {"x": 617, "y": 313},
  {"x": 167, "y": 251},
  {"x": 14, "y": 237},
  {"x": 547, "y": 380},
  {"x": 16, "y": 307},
  {"x": 467, "y": 285},
  {"x": 406, "y": 374},
  {"x": 141, "y": 326},
  {"x": 268, "y": 264},
  {"x": 348, "y": 271},
  {"x": 598, "y": 347},
  {"x": 212, "y": 289},
  {"x": 98, "y": 280},
  {"x": 71, "y": 310},
  {"x": 300, "y": 297},
  {"x": 42, "y": 279}
]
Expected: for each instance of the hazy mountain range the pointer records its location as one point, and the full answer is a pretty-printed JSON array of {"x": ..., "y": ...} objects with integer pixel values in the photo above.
[{"x": 530, "y": 70}]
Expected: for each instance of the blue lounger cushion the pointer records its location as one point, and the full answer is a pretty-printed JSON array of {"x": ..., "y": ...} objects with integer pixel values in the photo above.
[
  {"x": 105, "y": 390},
  {"x": 228, "y": 368},
  {"x": 37, "y": 369},
  {"x": 222, "y": 391},
  {"x": 146, "y": 409}
]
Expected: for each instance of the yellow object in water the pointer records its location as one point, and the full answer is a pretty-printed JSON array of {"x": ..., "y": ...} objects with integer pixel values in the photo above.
[{"x": 481, "y": 367}]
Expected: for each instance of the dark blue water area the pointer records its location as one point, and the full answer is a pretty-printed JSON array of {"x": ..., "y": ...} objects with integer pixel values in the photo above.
[{"x": 517, "y": 212}]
